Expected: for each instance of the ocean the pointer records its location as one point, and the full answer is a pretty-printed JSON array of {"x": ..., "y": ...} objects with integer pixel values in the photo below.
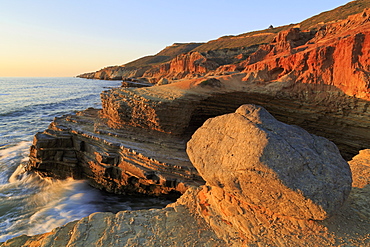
[{"x": 29, "y": 204}]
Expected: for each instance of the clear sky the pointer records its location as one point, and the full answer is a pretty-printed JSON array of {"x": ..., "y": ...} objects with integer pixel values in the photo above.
[{"x": 70, "y": 37}]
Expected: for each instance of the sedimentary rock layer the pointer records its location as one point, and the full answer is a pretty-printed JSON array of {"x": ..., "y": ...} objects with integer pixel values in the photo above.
[{"x": 180, "y": 108}]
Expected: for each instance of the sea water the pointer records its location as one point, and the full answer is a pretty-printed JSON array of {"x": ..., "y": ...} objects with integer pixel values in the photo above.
[{"x": 31, "y": 205}]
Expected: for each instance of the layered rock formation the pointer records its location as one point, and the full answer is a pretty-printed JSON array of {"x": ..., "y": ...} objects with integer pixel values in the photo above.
[
  {"x": 181, "y": 107},
  {"x": 82, "y": 147},
  {"x": 219, "y": 215}
]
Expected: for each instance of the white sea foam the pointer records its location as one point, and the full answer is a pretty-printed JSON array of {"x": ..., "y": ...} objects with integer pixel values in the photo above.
[
  {"x": 45, "y": 204},
  {"x": 10, "y": 158},
  {"x": 10, "y": 152}
]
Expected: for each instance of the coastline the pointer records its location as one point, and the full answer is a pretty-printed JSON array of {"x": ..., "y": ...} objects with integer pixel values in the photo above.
[{"x": 226, "y": 141}]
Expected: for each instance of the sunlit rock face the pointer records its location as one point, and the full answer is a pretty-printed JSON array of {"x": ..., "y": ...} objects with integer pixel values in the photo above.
[
  {"x": 360, "y": 166},
  {"x": 266, "y": 163},
  {"x": 336, "y": 54},
  {"x": 320, "y": 109}
]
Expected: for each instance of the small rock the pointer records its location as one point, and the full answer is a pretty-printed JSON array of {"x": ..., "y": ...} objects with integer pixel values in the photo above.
[{"x": 360, "y": 166}]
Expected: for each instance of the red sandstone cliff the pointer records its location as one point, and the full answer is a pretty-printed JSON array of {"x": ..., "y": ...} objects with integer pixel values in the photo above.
[{"x": 337, "y": 54}]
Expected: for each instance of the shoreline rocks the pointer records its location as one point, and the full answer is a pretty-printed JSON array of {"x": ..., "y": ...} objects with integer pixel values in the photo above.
[
  {"x": 213, "y": 215},
  {"x": 121, "y": 161}
]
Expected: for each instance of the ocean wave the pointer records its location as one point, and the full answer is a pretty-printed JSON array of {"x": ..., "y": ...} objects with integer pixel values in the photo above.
[{"x": 10, "y": 157}]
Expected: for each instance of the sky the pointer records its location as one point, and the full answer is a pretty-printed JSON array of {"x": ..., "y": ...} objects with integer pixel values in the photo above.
[{"x": 64, "y": 38}]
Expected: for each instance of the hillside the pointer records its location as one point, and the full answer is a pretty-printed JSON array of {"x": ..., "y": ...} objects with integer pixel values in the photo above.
[{"x": 215, "y": 51}]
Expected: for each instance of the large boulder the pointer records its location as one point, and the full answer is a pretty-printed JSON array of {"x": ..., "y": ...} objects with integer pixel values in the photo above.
[{"x": 263, "y": 162}]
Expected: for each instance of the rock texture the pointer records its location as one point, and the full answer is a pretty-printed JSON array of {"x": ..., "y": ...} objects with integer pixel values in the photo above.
[
  {"x": 331, "y": 53},
  {"x": 337, "y": 55},
  {"x": 316, "y": 79},
  {"x": 173, "y": 226},
  {"x": 269, "y": 164},
  {"x": 83, "y": 147},
  {"x": 360, "y": 166}
]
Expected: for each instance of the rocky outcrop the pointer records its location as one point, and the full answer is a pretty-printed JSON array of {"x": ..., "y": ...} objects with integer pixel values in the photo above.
[
  {"x": 324, "y": 44},
  {"x": 183, "y": 63},
  {"x": 180, "y": 108},
  {"x": 212, "y": 215},
  {"x": 196, "y": 64},
  {"x": 138, "y": 67},
  {"x": 193, "y": 64},
  {"x": 83, "y": 147},
  {"x": 266, "y": 163},
  {"x": 115, "y": 73},
  {"x": 317, "y": 80}
]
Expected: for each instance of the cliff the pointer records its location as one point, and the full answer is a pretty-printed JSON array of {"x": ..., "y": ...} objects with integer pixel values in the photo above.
[
  {"x": 138, "y": 67},
  {"x": 335, "y": 55}
]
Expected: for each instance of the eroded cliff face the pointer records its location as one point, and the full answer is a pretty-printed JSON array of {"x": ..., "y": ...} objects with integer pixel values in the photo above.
[
  {"x": 332, "y": 54},
  {"x": 197, "y": 64},
  {"x": 316, "y": 79},
  {"x": 337, "y": 54}
]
